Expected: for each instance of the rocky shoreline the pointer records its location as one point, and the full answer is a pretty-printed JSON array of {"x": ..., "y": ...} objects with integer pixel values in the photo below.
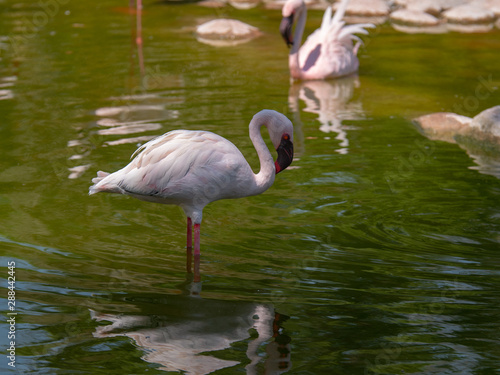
[{"x": 410, "y": 16}]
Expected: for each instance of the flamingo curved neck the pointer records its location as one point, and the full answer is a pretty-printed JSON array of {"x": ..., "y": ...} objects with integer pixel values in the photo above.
[
  {"x": 293, "y": 59},
  {"x": 265, "y": 178}
]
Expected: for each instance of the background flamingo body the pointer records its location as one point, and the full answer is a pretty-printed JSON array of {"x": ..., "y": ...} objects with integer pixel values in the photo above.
[
  {"x": 329, "y": 52},
  {"x": 193, "y": 168}
]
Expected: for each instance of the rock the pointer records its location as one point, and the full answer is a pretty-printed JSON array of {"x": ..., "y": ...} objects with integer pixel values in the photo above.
[
  {"x": 408, "y": 29},
  {"x": 413, "y": 17},
  {"x": 244, "y": 4},
  {"x": 479, "y": 137},
  {"x": 226, "y": 32},
  {"x": 469, "y": 14},
  {"x": 493, "y": 5},
  {"x": 426, "y": 6},
  {"x": 212, "y": 4},
  {"x": 472, "y": 28},
  {"x": 442, "y": 4},
  {"x": 487, "y": 124},
  {"x": 447, "y": 4},
  {"x": 482, "y": 141},
  {"x": 446, "y": 126},
  {"x": 442, "y": 126},
  {"x": 367, "y": 8}
]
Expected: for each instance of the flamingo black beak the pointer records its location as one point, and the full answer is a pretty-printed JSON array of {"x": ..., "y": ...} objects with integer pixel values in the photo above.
[
  {"x": 285, "y": 153},
  {"x": 286, "y": 29}
]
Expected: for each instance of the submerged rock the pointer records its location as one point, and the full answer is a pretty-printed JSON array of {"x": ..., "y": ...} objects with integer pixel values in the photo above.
[
  {"x": 442, "y": 126},
  {"x": 487, "y": 124},
  {"x": 446, "y": 126},
  {"x": 479, "y": 136}
]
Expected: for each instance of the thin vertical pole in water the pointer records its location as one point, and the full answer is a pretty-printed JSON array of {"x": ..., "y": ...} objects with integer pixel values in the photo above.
[
  {"x": 138, "y": 39},
  {"x": 133, "y": 38}
]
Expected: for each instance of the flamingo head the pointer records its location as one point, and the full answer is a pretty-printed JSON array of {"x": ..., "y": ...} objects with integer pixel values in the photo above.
[
  {"x": 289, "y": 11},
  {"x": 281, "y": 132},
  {"x": 286, "y": 29},
  {"x": 285, "y": 153}
]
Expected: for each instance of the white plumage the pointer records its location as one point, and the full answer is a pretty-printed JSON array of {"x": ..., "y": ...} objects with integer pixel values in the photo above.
[
  {"x": 194, "y": 168},
  {"x": 329, "y": 52}
]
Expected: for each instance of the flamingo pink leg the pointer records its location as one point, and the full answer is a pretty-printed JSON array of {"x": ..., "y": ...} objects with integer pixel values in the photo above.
[
  {"x": 189, "y": 233},
  {"x": 189, "y": 245},
  {"x": 197, "y": 253}
]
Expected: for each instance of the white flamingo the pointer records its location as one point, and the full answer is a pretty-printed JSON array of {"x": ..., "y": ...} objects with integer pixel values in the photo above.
[
  {"x": 193, "y": 168},
  {"x": 329, "y": 51}
]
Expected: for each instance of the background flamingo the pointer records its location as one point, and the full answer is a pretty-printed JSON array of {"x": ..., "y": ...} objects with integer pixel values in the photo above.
[
  {"x": 329, "y": 51},
  {"x": 193, "y": 168}
]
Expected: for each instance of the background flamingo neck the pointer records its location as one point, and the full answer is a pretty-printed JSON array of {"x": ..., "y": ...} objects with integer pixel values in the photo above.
[
  {"x": 293, "y": 64},
  {"x": 293, "y": 61}
]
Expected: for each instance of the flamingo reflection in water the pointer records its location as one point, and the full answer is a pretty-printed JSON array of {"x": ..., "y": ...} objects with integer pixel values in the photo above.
[
  {"x": 184, "y": 329},
  {"x": 331, "y": 101},
  {"x": 193, "y": 168}
]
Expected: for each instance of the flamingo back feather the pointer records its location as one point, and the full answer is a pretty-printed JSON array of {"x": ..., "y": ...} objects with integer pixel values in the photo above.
[{"x": 334, "y": 29}]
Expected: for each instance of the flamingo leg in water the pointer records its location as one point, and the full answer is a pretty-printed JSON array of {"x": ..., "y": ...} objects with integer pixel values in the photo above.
[
  {"x": 189, "y": 245},
  {"x": 197, "y": 253}
]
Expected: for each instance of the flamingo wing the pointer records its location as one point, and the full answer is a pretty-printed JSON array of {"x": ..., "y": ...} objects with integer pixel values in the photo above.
[
  {"x": 176, "y": 165},
  {"x": 329, "y": 51},
  {"x": 311, "y": 50}
]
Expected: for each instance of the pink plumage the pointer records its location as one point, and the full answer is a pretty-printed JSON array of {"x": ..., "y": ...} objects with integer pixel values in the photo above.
[
  {"x": 193, "y": 168},
  {"x": 329, "y": 52}
]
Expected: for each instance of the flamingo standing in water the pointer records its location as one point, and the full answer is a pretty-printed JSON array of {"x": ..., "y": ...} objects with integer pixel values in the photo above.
[
  {"x": 193, "y": 168},
  {"x": 329, "y": 51}
]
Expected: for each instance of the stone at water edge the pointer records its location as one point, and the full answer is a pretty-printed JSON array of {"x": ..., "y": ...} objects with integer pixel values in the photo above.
[
  {"x": 413, "y": 17},
  {"x": 442, "y": 126},
  {"x": 469, "y": 14}
]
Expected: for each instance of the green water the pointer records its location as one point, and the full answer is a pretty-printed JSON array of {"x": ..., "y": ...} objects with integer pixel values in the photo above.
[{"x": 377, "y": 253}]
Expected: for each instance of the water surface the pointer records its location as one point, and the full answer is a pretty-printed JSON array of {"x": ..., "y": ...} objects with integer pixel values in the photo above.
[{"x": 377, "y": 253}]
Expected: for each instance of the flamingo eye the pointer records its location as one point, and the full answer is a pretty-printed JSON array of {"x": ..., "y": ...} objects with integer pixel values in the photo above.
[{"x": 286, "y": 137}]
